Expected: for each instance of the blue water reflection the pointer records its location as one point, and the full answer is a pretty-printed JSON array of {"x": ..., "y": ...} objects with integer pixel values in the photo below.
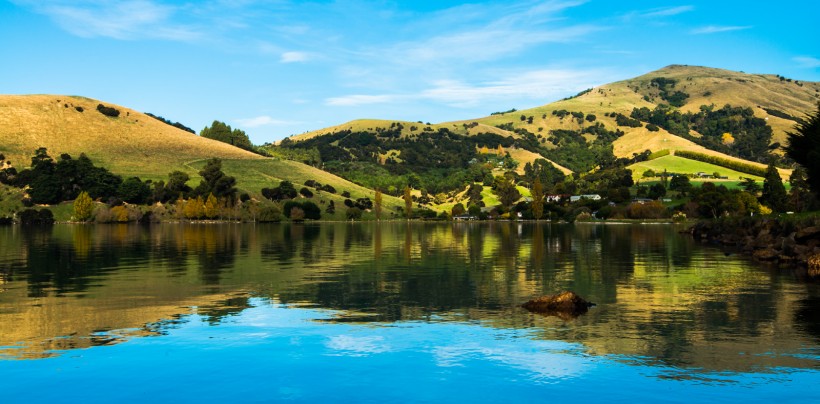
[{"x": 273, "y": 352}]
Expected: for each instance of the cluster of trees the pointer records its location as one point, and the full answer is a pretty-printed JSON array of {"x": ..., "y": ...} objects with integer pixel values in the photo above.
[
  {"x": 749, "y": 136},
  {"x": 666, "y": 87},
  {"x": 168, "y": 122},
  {"x": 222, "y": 132}
]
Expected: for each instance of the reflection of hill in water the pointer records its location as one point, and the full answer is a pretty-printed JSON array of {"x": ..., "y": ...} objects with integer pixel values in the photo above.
[{"x": 659, "y": 297}]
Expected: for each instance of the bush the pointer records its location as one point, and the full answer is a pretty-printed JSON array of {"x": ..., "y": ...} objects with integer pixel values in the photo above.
[
  {"x": 328, "y": 188},
  {"x": 353, "y": 213},
  {"x": 306, "y": 192},
  {"x": 349, "y": 203},
  {"x": 79, "y": 108},
  {"x": 35, "y": 217},
  {"x": 108, "y": 111},
  {"x": 269, "y": 214},
  {"x": 346, "y": 194}
]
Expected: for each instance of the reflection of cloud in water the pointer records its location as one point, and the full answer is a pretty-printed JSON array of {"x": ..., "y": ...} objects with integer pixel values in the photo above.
[
  {"x": 357, "y": 346},
  {"x": 550, "y": 360}
]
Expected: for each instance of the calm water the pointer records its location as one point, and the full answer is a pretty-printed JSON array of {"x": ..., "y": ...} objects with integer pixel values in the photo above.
[{"x": 395, "y": 312}]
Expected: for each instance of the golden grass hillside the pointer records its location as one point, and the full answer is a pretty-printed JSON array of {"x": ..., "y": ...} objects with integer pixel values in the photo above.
[{"x": 133, "y": 144}]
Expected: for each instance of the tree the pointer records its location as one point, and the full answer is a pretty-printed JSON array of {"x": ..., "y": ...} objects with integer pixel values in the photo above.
[
  {"x": 215, "y": 181},
  {"x": 133, "y": 190},
  {"x": 177, "y": 185},
  {"x": 377, "y": 204},
  {"x": 83, "y": 207},
  {"x": 680, "y": 183},
  {"x": 750, "y": 185},
  {"x": 408, "y": 202},
  {"x": 297, "y": 214},
  {"x": 537, "y": 199},
  {"x": 211, "y": 209},
  {"x": 801, "y": 198},
  {"x": 458, "y": 209},
  {"x": 804, "y": 148},
  {"x": 506, "y": 191},
  {"x": 353, "y": 213},
  {"x": 223, "y": 133},
  {"x": 774, "y": 193}
]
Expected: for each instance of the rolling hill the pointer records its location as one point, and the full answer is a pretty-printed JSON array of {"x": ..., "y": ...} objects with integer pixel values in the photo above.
[
  {"x": 767, "y": 100},
  {"x": 135, "y": 144}
]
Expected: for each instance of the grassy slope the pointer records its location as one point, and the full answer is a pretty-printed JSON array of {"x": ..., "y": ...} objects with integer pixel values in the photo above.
[
  {"x": 132, "y": 144},
  {"x": 675, "y": 164}
]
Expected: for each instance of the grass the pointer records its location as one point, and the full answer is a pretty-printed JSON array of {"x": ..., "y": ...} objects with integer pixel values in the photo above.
[
  {"x": 675, "y": 164},
  {"x": 133, "y": 144}
]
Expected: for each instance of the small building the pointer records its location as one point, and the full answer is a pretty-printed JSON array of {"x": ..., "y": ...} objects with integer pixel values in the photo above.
[
  {"x": 464, "y": 217},
  {"x": 593, "y": 197}
]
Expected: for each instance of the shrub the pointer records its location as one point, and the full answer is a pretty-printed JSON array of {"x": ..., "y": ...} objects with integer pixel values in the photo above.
[
  {"x": 346, "y": 194},
  {"x": 269, "y": 214},
  {"x": 353, "y": 213},
  {"x": 79, "y": 108},
  {"x": 349, "y": 203},
  {"x": 108, "y": 111},
  {"x": 306, "y": 192},
  {"x": 328, "y": 188}
]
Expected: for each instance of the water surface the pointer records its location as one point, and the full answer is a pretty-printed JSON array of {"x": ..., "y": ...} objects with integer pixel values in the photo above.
[{"x": 395, "y": 312}]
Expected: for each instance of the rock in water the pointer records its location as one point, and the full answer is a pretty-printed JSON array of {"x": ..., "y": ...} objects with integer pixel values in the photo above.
[{"x": 565, "y": 305}]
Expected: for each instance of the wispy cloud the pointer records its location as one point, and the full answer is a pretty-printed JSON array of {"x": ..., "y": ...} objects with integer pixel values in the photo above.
[
  {"x": 714, "y": 29},
  {"x": 132, "y": 19},
  {"x": 263, "y": 120},
  {"x": 294, "y": 57},
  {"x": 656, "y": 13},
  {"x": 807, "y": 61},
  {"x": 666, "y": 12},
  {"x": 359, "y": 99},
  {"x": 535, "y": 85},
  {"x": 540, "y": 85}
]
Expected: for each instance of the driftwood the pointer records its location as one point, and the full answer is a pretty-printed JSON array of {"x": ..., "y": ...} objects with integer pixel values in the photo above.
[{"x": 566, "y": 305}]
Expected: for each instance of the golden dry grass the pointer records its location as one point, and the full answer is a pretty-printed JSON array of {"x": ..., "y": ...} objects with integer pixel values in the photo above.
[{"x": 131, "y": 144}]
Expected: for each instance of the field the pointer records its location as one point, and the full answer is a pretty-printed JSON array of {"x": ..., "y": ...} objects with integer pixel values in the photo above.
[{"x": 680, "y": 165}]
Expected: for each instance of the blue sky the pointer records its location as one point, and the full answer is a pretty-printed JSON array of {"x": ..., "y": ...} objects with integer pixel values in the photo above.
[{"x": 276, "y": 68}]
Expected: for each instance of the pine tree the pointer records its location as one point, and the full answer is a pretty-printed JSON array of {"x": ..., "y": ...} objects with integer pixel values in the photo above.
[{"x": 774, "y": 193}]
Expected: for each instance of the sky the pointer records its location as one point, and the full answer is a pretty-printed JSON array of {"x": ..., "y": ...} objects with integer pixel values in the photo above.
[{"x": 277, "y": 68}]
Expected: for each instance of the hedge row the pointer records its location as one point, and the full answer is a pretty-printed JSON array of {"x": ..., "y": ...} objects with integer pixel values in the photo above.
[{"x": 723, "y": 162}]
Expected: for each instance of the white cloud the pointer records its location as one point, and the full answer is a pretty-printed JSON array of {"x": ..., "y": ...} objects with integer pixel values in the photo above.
[
  {"x": 713, "y": 29},
  {"x": 130, "y": 19},
  {"x": 358, "y": 346},
  {"x": 540, "y": 85},
  {"x": 358, "y": 99},
  {"x": 666, "y": 12},
  {"x": 263, "y": 120},
  {"x": 807, "y": 61},
  {"x": 533, "y": 85},
  {"x": 293, "y": 57}
]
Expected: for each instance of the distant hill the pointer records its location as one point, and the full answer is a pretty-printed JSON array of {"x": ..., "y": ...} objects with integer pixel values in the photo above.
[{"x": 573, "y": 133}]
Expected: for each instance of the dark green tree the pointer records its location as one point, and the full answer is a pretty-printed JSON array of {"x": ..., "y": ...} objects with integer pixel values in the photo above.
[
  {"x": 804, "y": 148},
  {"x": 223, "y": 133},
  {"x": 133, "y": 190},
  {"x": 774, "y": 193},
  {"x": 214, "y": 181}
]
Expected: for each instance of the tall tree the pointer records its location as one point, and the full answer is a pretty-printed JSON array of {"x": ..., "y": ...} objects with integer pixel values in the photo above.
[
  {"x": 408, "y": 202},
  {"x": 215, "y": 181},
  {"x": 774, "y": 193},
  {"x": 537, "y": 198},
  {"x": 804, "y": 148},
  {"x": 506, "y": 191},
  {"x": 377, "y": 204}
]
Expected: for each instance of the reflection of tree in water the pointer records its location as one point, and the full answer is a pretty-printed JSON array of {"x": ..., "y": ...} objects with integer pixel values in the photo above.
[
  {"x": 53, "y": 265},
  {"x": 215, "y": 313},
  {"x": 215, "y": 247},
  {"x": 807, "y": 313}
]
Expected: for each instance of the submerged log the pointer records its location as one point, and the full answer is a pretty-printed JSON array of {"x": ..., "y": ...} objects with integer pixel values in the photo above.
[{"x": 566, "y": 305}]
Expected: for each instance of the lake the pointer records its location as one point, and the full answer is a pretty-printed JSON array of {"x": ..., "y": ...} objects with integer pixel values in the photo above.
[{"x": 396, "y": 312}]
